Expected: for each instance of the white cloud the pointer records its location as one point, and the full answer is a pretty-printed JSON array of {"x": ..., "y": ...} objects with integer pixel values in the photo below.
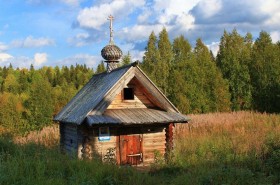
[
  {"x": 270, "y": 8},
  {"x": 214, "y": 47},
  {"x": 20, "y": 62},
  {"x": 136, "y": 55},
  {"x": 30, "y": 42},
  {"x": 4, "y": 57},
  {"x": 173, "y": 15},
  {"x": 213, "y": 6},
  {"x": 184, "y": 22},
  {"x": 23, "y": 61},
  {"x": 50, "y": 2},
  {"x": 89, "y": 60},
  {"x": 145, "y": 16},
  {"x": 168, "y": 10},
  {"x": 79, "y": 40},
  {"x": 174, "y": 6},
  {"x": 275, "y": 36},
  {"x": 40, "y": 58},
  {"x": 3, "y": 47},
  {"x": 153, "y": 16},
  {"x": 96, "y": 16},
  {"x": 138, "y": 32}
]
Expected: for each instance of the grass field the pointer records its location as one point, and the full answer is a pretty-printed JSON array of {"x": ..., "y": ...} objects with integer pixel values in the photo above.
[{"x": 217, "y": 148}]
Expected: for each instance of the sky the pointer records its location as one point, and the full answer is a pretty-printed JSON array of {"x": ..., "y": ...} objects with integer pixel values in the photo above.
[{"x": 69, "y": 32}]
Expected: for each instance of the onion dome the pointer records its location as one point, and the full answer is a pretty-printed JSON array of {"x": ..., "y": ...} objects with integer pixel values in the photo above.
[{"x": 111, "y": 52}]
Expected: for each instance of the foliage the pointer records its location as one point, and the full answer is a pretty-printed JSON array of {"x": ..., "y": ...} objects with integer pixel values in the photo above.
[
  {"x": 233, "y": 58},
  {"x": 243, "y": 76},
  {"x": 265, "y": 73},
  {"x": 151, "y": 58},
  {"x": 29, "y": 98},
  {"x": 163, "y": 66},
  {"x": 189, "y": 78},
  {"x": 126, "y": 59},
  {"x": 101, "y": 67}
]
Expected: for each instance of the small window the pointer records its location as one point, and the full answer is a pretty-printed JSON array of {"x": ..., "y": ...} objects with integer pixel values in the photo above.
[
  {"x": 128, "y": 94},
  {"x": 104, "y": 134}
]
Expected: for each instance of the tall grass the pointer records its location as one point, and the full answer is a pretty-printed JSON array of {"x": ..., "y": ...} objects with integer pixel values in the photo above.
[
  {"x": 48, "y": 136},
  {"x": 35, "y": 164},
  {"x": 217, "y": 148},
  {"x": 238, "y": 147}
]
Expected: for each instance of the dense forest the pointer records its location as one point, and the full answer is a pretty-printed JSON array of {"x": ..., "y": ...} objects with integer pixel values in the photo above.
[{"x": 245, "y": 75}]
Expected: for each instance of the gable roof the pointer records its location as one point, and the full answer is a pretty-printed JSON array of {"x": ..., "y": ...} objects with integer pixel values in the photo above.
[{"x": 100, "y": 91}]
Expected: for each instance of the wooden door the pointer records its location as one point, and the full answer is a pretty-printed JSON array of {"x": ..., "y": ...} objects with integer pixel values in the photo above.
[{"x": 131, "y": 149}]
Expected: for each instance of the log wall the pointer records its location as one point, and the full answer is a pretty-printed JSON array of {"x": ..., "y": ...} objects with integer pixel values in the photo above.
[
  {"x": 154, "y": 141},
  {"x": 101, "y": 150},
  {"x": 73, "y": 142},
  {"x": 68, "y": 138},
  {"x": 106, "y": 150}
]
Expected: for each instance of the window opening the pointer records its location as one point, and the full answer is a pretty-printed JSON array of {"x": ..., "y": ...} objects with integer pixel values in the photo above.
[
  {"x": 128, "y": 94},
  {"x": 104, "y": 134}
]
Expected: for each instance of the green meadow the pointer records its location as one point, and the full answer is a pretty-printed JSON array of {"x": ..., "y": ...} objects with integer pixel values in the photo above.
[{"x": 216, "y": 148}]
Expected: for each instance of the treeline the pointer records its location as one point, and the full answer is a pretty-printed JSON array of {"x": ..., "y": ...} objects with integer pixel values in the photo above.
[
  {"x": 30, "y": 98},
  {"x": 245, "y": 75}
]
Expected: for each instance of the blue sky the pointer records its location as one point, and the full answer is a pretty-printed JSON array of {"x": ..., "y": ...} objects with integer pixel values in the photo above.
[{"x": 65, "y": 32}]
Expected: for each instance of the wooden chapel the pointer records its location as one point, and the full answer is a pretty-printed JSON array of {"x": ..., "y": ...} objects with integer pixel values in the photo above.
[{"x": 119, "y": 115}]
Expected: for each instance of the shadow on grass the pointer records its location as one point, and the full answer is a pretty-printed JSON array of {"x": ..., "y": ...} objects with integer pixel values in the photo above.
[{"x": 36, "y": 164}]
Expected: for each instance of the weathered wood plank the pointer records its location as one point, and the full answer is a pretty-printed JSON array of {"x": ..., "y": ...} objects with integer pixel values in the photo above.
[
  {"x": 156, "y": 96},
  {"x": 151, "y": 135},
  {"x": 140, "y": 101},
  {"x": 70, "y": 135},
  {"x": 100, "y": 108}
]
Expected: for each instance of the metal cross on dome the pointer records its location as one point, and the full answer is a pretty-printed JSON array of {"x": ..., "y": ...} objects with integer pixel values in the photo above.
[{"x": 111, "y": 18}]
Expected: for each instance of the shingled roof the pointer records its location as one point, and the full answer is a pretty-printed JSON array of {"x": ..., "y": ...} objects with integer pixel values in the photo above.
[{"x": 91, "y": 102}]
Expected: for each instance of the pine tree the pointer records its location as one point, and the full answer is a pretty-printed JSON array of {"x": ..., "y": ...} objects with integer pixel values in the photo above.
[
  {"x": 126, "y": 59},
  {"x": 234, "y": 67},
  {"x": 23, "y": 81},
  {"x": 265, "y": 72},
  {"x": 178, "y": 92},
  {"x": 181, "y": 49},
  {"x": 101, "y": 67},
  {"x": 213, "y": 90},
  {"x": 66, "y": 74},
  {"x": 163, "y": 66},
  {"x": 50, "y": 74},
  {"x": 151, "y": 58}
]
